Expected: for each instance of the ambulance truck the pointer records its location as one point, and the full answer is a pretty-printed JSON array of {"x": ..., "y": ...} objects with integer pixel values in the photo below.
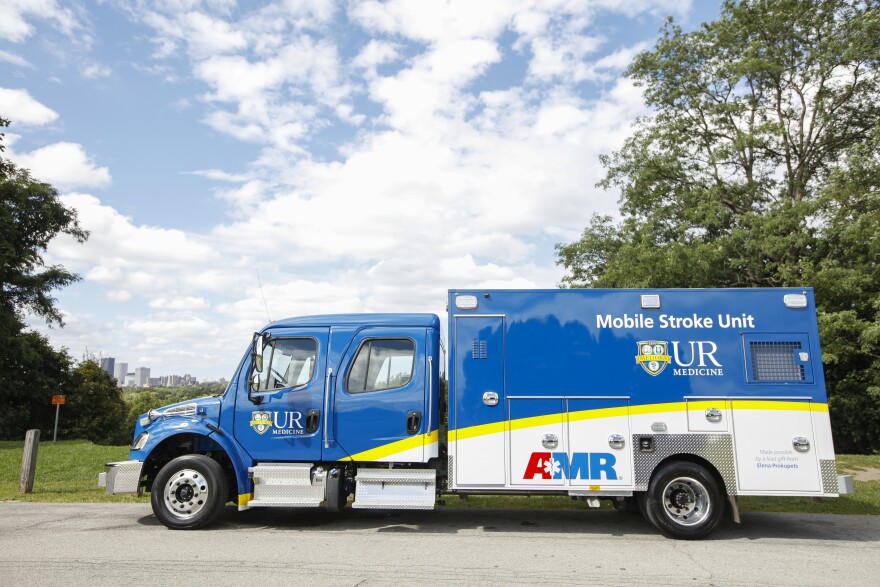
[{"x": 674, "y": 401}]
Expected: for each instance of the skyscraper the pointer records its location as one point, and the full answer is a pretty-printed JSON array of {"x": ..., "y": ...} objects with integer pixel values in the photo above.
[
  {"x": 142, "y": 377},
  {"x": 119, "y": 372},
  {"x": 108, "y": 365}
]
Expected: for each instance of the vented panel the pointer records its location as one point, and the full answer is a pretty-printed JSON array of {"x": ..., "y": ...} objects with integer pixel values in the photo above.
[
  {"x": 776, "y": 361},
  {"x": 480, "y": 349}
]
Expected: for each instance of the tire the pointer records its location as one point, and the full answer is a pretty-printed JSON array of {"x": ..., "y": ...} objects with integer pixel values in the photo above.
[
  {"x": 335, "y": 496},
  {"x": 684, "y": 501},
  {"x": 627, "y": 505},
  {"x": 189, "y": 492},
  {"x": 641, "y": 500}
]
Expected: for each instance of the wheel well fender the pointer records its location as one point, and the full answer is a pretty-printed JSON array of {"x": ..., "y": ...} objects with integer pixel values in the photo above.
[
  {"x": 697, "y": 460},
  {"x": 198, "y": 442}
]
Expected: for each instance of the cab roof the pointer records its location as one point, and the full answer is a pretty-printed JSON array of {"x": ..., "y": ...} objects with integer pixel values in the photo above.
[{"x": 418, "y": 320}]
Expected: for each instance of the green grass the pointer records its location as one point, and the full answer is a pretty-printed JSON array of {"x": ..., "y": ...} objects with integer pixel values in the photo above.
[{"x": 67, "y": 471}]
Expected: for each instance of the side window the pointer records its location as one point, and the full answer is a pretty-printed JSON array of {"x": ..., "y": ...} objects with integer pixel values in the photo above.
[
  {"x": 288, "y": 362},
  {"x": 382, "y": 364}
]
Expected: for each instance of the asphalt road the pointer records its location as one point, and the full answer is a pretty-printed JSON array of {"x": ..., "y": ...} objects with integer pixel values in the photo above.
[{"x": 79, "y": 544}]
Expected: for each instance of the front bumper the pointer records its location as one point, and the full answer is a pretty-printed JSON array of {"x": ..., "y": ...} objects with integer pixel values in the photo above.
[{"x": 121, "y": 477}]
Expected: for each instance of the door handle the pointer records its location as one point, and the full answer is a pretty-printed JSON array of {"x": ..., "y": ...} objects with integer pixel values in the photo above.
[
  {"x": 413, "y": 422},
  {"x": 550, "y": 441},
  {"x": 312, "y": 419},
  {"x": 801, "y": 443}
]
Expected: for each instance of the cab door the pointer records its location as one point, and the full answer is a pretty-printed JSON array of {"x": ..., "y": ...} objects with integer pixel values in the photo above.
[
  {"x": 379, "y": 402},
  {"x": 282, "y": 419}
]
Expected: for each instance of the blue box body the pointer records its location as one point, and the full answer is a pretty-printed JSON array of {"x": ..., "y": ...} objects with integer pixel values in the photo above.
[{"x": 581, "y": 366}]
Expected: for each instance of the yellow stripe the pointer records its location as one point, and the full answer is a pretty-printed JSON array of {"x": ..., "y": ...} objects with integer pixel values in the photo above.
[
  {"x": 802, "y": 406},
  {"x": 389, "y": 449},
  {"x": 481, "y": 430},
  {"x": 243, "y": 499},
  {"x": 518, "y": 424}
]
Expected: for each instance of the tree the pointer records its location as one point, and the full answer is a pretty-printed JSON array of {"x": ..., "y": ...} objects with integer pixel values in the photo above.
[
  {"x": 31, "y": 215},
  {"x": 759, "y": 167},
  {"x": 95, "y": 409},
  {"x": 31, "y": 372}
]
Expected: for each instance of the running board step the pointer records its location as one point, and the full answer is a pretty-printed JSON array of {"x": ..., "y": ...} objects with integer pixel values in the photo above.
[
  {"x": 287, "y": 485},
  {"x": 395, "y": 489}
]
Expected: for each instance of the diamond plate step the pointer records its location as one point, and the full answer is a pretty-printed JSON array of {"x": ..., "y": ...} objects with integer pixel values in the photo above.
[
  {"x": 287, "y": 485},
  {"x": 404, "y": 489}
]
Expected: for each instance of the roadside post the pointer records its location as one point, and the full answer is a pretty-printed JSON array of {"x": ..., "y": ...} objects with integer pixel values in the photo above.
[
  {"x": 29, "y": 461},
  {"x": 57, "y": 401}
]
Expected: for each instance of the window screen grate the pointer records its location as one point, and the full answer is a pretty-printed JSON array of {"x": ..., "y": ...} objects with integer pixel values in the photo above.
[
  {"x": 775, "y": 361},
  {"x": 480, "y": 350}
]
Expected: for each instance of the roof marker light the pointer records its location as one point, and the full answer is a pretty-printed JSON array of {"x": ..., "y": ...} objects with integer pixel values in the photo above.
[
  {"x": 650, "y": 301},
  {"x": 466, "y": 302},
  {"x": 795, "y": 300}
]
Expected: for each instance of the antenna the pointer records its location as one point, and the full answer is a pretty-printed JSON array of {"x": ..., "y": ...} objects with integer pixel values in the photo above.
[{"x": 263, "y": 294}]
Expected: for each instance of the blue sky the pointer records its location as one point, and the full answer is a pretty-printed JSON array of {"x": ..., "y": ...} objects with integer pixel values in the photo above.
[{"x": 356, "y": 156}]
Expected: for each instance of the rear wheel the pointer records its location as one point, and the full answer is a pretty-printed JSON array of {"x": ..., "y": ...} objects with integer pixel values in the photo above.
[
  {"x": 684, "y": 501},
  {"x": 189, "y": 492}
]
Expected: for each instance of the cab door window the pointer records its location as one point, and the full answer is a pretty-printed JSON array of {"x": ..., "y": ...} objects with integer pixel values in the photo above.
[
  {"x": 288, "y": 362},
  {"x": 381, "y": 364}
]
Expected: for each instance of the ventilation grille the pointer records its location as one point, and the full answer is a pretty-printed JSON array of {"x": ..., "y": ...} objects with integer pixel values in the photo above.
[
  {"x": 776, "y": 361},
  {"x": 480, "y": 351}
]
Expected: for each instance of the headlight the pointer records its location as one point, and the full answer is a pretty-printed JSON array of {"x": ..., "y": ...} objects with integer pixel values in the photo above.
[{"x": 140, "y": 441}]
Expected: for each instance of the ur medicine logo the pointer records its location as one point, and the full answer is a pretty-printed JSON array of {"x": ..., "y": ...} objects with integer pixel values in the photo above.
[
  {"x": 261, "y": 421},
  {"x": 653, "y": 356},
  {"x": 281, "y": 423},
  {"x": 688, "y": 358}
]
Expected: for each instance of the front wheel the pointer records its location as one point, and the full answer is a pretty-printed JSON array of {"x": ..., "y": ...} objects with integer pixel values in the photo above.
[
  {"x": 684, "y": 501},
  {"x": 189, "y": 492}
]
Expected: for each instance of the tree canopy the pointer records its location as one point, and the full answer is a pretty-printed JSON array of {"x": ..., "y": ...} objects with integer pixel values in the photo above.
[
  {"x": 758, "y": 167},
  {"x": 31, "y": 215}
]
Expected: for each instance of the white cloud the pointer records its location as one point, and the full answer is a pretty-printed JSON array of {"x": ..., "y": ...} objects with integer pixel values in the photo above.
[
  {"x": 376, "y": 53},
  {"x": 14, "y": 59},
  {"x": 96, "y": 70},
  {"x": 118, "y": 295},
  {"x": 128, "y": 255},
  {"x": 14, "y": 16},
  {"x": 21, "y": 108},
  {"x": 64, "y": 165},
  {"x": 179, "y": 303},
  {"x": 437, "y": 20},
  {"x": 220, "y": 175}
]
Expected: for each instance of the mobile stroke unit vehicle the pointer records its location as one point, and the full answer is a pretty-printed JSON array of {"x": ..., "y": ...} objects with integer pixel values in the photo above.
[{"x": 677, "y": 401}]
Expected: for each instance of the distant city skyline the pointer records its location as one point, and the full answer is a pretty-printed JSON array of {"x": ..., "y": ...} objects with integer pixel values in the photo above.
[{"x": 140, "y": 377}]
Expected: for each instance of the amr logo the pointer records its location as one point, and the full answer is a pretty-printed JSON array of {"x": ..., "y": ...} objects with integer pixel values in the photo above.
[{"x": 581, "y": 465}]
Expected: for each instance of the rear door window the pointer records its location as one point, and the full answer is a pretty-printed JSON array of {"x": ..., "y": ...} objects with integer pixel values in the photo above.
[{"x": 381, "y": 363}]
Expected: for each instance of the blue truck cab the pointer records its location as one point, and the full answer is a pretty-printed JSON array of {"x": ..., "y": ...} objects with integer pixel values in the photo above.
[{"x": 673, "y": 401}]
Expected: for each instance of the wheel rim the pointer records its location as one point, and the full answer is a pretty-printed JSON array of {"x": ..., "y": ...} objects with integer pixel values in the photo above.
[
  {"x": 686, "y": 501},
  {"x": 186, "y": 493}
]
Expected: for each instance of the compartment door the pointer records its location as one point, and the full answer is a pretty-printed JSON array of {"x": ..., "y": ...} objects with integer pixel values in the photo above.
[
  {"x": 596, "y": 456},
  {"x": 775, "y": 446},
  {"x": 478, "y": 453},
  {"x": 537, "y": 443}
]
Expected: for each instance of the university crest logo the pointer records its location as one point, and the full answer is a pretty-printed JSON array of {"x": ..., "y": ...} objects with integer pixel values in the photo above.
[
  {"x": 653, "y": 356},
  {"x": 261, "y": 421}
]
